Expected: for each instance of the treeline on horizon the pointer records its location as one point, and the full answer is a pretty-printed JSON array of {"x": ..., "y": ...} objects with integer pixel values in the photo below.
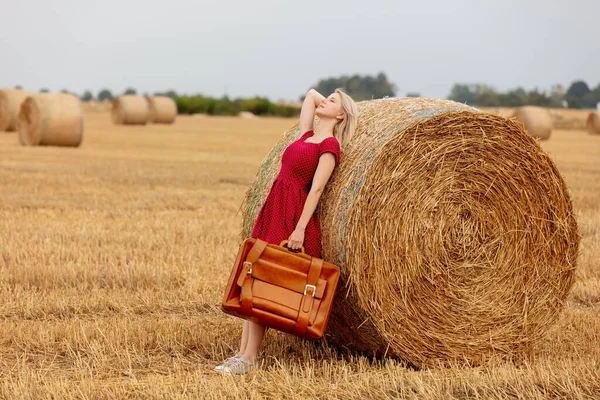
[
  {"x": 577, "y": 95},
  {"x": 200, "y": 104}
]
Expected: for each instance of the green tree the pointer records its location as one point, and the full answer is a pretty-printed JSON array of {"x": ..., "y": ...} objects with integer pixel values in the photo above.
[
  {"x": 226, "y": 106},
  {"x": 257, "y": 105},
  {"x": 487, "y": 96},
  {"x": 538, "y": 98},
  {"x": 169, "y": 93},
  {"x": 591, "y": 99},
  {"x": 357, "y": 86},
  {"x": 87, "y": 96},
  {"x": 576, "y": 93},
  {"x": 105, "y": 94},
  {"x": 578, "y": 89},
  {"x": 130, "y": 91},
  {"x": 464, "y": 93},
  {"x": 513, "y": 98},
  {"x": 44, "y": 90}
]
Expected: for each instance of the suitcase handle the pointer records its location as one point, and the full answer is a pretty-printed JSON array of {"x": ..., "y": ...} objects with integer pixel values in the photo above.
[{"x": 283, "y": 244}]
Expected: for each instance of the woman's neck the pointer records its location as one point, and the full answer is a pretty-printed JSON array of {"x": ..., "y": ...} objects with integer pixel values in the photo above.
[{"x": 325, "y": 128}]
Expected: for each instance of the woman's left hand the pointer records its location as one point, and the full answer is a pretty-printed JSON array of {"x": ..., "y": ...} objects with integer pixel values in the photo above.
[{"x": 296, "y": 239}]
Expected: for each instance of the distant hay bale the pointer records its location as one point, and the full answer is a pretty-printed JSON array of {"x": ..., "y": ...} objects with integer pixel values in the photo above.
[
  {"x": 10, "y": 102},
  {"x": 51, "y": 119},
  {"x": 453, "y": 229},
  {"x": 537, "y": 121},
  {"x": 163, "y": 110},
  {"x": 506, "y": 112},
  {"x": 246, "y": 114},
  {"x": 130, "y": 110},
  {"x": 593, "y": 123},
  {"x": 568, "y": 118}
]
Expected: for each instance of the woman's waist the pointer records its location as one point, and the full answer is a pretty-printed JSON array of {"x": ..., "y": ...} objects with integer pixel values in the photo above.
[{"x": 293, "y": 181}]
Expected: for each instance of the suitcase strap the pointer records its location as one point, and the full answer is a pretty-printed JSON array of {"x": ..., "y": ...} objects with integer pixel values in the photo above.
[
  {"x": 246, "y": 293},
  {"x": 310, "y": 289}
]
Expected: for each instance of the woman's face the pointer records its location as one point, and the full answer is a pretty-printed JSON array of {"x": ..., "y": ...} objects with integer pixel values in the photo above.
[{"x": 330, "y": 107}]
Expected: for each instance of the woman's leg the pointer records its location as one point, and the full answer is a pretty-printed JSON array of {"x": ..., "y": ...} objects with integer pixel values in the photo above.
[
  {"x": 244, "y": 341},
  {"x": 256, "y": 332}
]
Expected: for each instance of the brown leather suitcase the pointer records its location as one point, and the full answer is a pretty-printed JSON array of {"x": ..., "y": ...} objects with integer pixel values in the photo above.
[{"x": 284, "y": 289}]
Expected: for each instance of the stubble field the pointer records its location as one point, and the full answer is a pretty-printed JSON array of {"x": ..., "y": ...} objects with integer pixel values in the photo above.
[{"x": 114, "y": 257}]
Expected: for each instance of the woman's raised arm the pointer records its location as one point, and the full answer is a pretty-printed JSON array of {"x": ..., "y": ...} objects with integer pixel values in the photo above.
[{"x": 307, "y": 114}]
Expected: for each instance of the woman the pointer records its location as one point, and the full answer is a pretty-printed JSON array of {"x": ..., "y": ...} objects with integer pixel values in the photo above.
[{"x": 288, "y": 211}]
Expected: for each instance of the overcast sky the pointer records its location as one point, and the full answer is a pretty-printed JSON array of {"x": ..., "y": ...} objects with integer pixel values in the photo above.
[{"x": 280, "y": 48}]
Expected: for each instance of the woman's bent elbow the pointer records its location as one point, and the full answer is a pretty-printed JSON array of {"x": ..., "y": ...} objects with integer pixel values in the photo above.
[{"x": 316, "y": 192}]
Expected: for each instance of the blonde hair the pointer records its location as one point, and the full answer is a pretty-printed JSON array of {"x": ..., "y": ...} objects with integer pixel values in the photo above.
[{"x": 344, "y": 130}]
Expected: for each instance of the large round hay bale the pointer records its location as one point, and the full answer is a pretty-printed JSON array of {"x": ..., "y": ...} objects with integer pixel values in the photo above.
[
  {"x": 163, "y": 110},
  {"x": 453, "y": 229},
  {"x": 10, "y": 102},
  {"x": 53, "y": 119},
  {"x": 537, "y": 121},
  {"x": 130, "y": 110},
  {"x": 593, "y": 123}
]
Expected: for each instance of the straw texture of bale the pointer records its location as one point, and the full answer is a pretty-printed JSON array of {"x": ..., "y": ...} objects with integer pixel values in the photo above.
[
  {"x": 52, "y": 119},
  {"x": 10, "y": 102},
  {"x": 130, "y": 110},
  {"x": 537, "y": 121},
  {"x": 163, "y": 110},
  {"x": 454, "y": 232},
  {"x": 593, "y": 123}
]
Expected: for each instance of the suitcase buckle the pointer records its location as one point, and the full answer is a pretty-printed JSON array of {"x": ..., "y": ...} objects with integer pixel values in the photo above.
[
  {"x": 313, "y": 287},
  {"x": 249, "y": 267}
]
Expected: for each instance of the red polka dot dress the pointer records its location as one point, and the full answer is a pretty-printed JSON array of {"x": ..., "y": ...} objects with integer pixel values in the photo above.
[{"x": 283, "y": 206}]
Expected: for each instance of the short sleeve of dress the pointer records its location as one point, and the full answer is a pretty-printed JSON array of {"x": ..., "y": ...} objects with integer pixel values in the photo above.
[{"x": 331, "y": 145}]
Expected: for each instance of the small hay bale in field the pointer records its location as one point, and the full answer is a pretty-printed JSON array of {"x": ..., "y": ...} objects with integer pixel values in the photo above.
[
  {"x": 593, "y": 123},
  {"x": 537, "y": 121},
  {"x": 52, "y": 119},
  {"x": 568, "y": 118},
  {"x": 246, "y": 115},
  {"x": 506, "y": 112},
  {"x": 453, "y": 229},
  {"x": 130, "y": 110},
  {"x": 163, "y": 110},
  {"x": 10, "y": 102}
]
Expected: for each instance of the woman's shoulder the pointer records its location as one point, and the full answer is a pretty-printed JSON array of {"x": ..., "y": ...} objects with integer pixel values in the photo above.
[
  {"x": 331, "y": 138},
  {"x": 330, "y": 145},
  {"x": 330, "y": 141}
]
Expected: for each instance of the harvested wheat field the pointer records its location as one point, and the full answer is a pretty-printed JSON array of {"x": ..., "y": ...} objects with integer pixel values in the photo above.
[{"x": 115, "y": 255}]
